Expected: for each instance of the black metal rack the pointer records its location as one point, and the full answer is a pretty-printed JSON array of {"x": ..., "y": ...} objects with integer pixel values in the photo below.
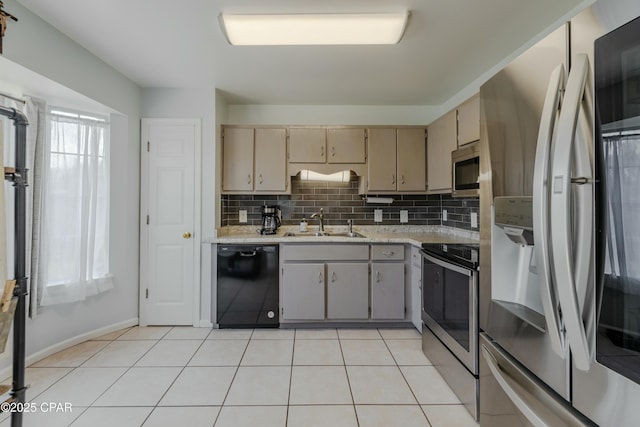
[{"x": 19, "y": 179}]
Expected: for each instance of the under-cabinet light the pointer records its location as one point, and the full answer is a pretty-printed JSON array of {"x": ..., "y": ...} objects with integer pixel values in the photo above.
[
  {"x": 342, "y": 176},
  {"x": 314, "y": 29}
]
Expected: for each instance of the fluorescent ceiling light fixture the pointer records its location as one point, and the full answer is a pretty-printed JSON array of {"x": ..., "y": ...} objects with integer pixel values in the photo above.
[
  {"x": 314, "y": 29},
  {"x": 342, "y": 176}
]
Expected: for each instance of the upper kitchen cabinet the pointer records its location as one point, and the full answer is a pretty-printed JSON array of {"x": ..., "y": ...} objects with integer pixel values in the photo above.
[
  {"x": 346, "y": 145},
  {"x": 441, "y": 142},
  {"x": 469, "y": 121},
  {"x": 237, "y": 159},
  {"x": 270, "y": 160},
  {"x": 381, "y": 167},
  {"x": 307, "y": 145},
  {"x": 327, "y": 145},
  {"x": 254, "y": 160},
  {"x": 396, "y": 160},
  {"x": 411, "y": 160}
]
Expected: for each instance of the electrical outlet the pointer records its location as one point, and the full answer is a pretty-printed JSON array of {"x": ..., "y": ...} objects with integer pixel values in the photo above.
[
  {"x": 377, "y": 215},
  {"x": 404, "y": 216},
  {"x": 474, "y": 219},
  {"x": 242, "y": 216},
  {"x": 444, "y": 214}
]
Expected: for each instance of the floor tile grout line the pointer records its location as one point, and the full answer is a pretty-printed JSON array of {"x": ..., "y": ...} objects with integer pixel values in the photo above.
[
  {"x": 226, "y": 395},
  {"x": 175, "y": 379},
  {"x": 91, "y": 405},
  {"x": 346, "y": 373}
]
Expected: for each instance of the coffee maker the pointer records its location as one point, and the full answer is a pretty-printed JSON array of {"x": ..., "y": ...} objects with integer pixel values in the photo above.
[{"x": 270, "y": 219}]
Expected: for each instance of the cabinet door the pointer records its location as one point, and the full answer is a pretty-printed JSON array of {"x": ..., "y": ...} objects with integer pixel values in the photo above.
[
  {"x": 270, "y": 160},
  {"x": 303, "y": 291},
  {"x": 412, "y": 161},
  {"x": 469, "y": 121},
  {"x": 307, "y": 145},
  {"x": 237, "y": 159},
  {"x": 381, "y": 145},
  {"x": 440, "y": 143},
  {"x": 387, "y": 290},
  {"x": 348, "y": 290},
  {"x": 345, "y": 146},
  {"x": 416, "y": 297}
]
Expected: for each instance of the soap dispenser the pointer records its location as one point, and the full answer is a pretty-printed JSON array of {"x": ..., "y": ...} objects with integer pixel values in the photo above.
[{"x": 303, "y": 226}]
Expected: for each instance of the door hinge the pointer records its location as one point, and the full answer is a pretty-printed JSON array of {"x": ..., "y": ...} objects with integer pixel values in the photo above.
[
  {"x": 148, "y": 146},
  {"x": 147, "y": 293}
]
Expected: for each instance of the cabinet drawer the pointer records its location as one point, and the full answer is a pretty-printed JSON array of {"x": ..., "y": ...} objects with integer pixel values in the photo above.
[
  {"x": 324, "y": 252},
  {"x": 387, "y": 252}
]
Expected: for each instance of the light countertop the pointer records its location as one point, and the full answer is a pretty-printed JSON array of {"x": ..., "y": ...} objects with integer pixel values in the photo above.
[{"x": 414, "y": 235}]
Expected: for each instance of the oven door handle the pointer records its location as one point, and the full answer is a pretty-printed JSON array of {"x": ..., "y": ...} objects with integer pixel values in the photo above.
[{"x": 444, "y": 264}]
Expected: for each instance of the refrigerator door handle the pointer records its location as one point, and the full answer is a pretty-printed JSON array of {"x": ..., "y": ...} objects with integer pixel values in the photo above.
[
  {"x": 572, "y": 268},
  {"x": 541, "y": 238}
]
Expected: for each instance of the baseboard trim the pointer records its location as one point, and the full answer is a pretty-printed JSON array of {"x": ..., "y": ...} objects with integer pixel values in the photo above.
[{"x": 48, "y": 351}]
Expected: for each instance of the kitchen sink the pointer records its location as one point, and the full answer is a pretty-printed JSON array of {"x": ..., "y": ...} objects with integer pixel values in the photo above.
[{"x": 321, "y": 234}]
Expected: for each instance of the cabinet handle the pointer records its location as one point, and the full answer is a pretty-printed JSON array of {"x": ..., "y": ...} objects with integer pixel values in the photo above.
[
  {"x": 333, "y": 276},
  {"x": 393, "y": 178},
  {"x": 388, "y": 253},
  {"x": 320, "y": 277},
  {"x": 249, "y": 179},
  {"x": 333, "y": 151},
  {"x": 322, "y": 151},
  {"x": 377, "y": 276},
  {"x": 402, "y": 180},
  {"x": 260, "y": 178}
]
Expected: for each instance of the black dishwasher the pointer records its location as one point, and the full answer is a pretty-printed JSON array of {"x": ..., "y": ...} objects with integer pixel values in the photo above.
[{"x": 247, "y": 286}]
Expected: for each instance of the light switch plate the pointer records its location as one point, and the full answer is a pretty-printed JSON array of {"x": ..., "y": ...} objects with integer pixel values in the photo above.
[
  {"x": 377, "y": 215},
  {"x": 404, "y": 216},
  {"x": 474, "y": 219},
  {"x": 444, "y": 214},
  {"x": 242, "y": 216}
]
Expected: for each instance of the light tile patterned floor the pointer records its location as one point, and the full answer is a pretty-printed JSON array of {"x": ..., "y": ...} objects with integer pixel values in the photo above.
[{"x": 163, "y": 376}]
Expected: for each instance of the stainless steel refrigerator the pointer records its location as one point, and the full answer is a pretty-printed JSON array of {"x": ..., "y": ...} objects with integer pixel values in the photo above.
[{"x": 559, "y": 302}]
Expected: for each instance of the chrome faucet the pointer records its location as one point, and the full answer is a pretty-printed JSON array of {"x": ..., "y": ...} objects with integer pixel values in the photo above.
[
  {"x": 320, "y": 217},
  {"x": 350, "y": 224}
]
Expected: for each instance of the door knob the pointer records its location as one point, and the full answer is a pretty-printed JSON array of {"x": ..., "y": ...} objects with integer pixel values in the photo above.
[{"x": 187, "y": 235}]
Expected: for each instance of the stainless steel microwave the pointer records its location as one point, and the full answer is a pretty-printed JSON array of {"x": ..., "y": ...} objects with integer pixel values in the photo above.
[{"x": 465, "y": 171}]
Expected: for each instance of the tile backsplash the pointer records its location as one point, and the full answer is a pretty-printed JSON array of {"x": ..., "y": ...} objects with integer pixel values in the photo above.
[{"x": 341, "y": 202}]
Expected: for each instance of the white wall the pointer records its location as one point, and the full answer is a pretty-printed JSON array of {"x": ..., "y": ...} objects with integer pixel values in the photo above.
[
  {"x": 333, "y": 114},
  {"x": 38, "y": 46}
]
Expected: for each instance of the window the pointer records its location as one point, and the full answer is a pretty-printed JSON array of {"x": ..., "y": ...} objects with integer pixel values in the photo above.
[{"x": 74, "y": 246}]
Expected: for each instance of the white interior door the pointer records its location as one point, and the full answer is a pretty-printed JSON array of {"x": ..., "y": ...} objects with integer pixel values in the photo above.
[{"x": 170, "y": 248}]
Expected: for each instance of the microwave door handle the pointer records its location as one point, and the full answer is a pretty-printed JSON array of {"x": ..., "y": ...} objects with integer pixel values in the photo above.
[
  {"x": 548, "y": 295},
  {"x": 567, "y": 273}
]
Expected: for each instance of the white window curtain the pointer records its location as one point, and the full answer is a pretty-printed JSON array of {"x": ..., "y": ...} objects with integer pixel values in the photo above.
[
  {"x": 36, "y": 112},
  {"x": 74, "y": 231}
]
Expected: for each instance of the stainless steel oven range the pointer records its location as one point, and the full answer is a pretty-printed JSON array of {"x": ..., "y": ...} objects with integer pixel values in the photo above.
[{"x": 450, "y": 316}]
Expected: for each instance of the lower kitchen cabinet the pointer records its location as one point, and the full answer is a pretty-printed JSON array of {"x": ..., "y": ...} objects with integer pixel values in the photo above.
[
  {"x": 415, "y": 289},
  {"x": 303, "y": 291},
  {"x": 347, "y": 291},
  {"x": 387, "y": 290},
  {"x": 342, "y": 282}
]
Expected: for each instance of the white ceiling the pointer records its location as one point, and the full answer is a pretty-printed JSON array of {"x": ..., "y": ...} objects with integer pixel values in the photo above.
[{"x": 178, "y": 44}]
